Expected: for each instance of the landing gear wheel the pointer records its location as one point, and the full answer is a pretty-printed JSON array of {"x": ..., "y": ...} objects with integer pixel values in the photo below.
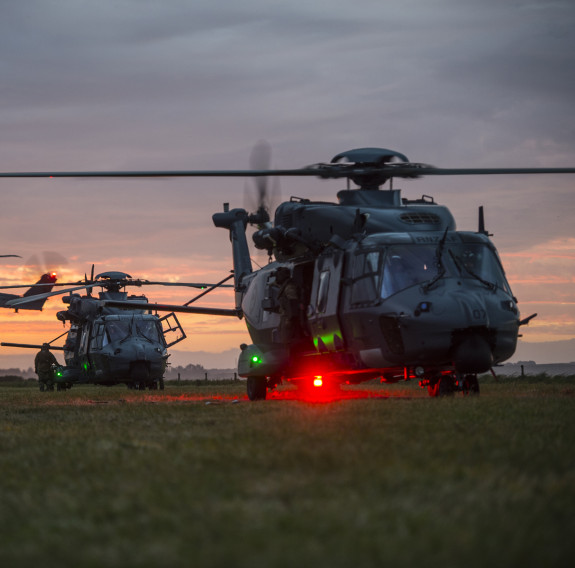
[
  {"x": 444, "y": 386},
  {"x": 433, "y": 389},
  {"x": 470, "y": 385},
  {"x": 257, "y": 388}
]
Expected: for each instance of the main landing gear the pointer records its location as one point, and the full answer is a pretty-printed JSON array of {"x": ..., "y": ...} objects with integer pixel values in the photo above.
[{"x": 447, "y": 385}]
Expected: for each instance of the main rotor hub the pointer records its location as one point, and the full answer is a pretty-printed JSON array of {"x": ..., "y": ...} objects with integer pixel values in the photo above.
[{"x": 373, "y": 160}]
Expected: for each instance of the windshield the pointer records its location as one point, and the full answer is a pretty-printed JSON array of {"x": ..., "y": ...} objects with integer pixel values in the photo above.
[
  {"x": 117, "y": 330},
  {"x": 148, "y": 329},
  {"x": 407, "y": 265}
]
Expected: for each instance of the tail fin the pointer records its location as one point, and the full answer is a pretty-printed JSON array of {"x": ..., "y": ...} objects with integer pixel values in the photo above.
[{"x": 44, "y": 285}]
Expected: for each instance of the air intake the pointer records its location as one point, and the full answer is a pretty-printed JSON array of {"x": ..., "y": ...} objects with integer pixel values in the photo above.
[{"x": 420, "y": 218}]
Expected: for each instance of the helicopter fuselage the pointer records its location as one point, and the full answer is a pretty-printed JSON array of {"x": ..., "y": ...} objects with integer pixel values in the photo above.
[
  {"x": 109, "y": 346},
  {"x": 117, "y": 348},
  {"x": 386, "y": 305},
  {"x": 387, "y": 287}
]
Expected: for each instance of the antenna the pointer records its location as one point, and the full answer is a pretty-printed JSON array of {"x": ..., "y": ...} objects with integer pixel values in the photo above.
[{"x": 481, "y": 227}]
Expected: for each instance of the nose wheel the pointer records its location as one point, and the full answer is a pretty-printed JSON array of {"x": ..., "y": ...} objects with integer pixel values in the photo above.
[
  {"x": 470, "y": 385},
  {"x": 257, "y": 388}
]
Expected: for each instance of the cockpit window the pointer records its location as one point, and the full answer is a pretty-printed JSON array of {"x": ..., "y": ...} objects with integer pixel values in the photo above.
[
  {"x": 409, "y": 265},
  {"x": 475, "y": 260},
  {"x": 366, "y": 277},
  {"x": 117, "y": 330},
  {"x": 405, "y": 266},
  {"x": 148, "y": 329}
]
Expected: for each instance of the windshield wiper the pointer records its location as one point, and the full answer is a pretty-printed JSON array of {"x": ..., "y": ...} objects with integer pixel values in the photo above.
[
  {"x": 438, "y": 262},
  {"x": 462, "y": 268}
]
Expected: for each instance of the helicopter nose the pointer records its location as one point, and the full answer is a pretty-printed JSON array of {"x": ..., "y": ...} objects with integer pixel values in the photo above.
[
  {"x": 473, "y": 355},
  {"x": 139, "y": 371}
]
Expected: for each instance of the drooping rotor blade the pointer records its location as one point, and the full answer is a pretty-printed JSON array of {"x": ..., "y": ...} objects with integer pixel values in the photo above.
[
  {"x": 30, "y": 346},
  {"x": 200, "y": 285},
  {"x": 24, "y": 300},
  {"x": 38, "y": 284},
  {"x": 212, "y": 287},
  {"x": 171, "y": 308},
  {"x": 10, "y": 256},
  {"x": 23, "y": 286}
]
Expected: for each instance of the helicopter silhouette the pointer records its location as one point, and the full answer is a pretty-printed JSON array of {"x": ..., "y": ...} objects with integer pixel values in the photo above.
[
  {"x": 45, "y": 284},
  {"x": 106, "y": 345},
  {"x": 373, "y": 286}
]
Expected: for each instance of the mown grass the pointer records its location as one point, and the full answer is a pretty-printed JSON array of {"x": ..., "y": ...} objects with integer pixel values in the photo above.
[{"x": 111, "y": 477}]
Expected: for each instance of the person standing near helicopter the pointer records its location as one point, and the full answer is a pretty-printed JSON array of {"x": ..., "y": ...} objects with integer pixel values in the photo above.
[
  {"x": 290, "y": 308},
  {"x": 43, "y": 366}
]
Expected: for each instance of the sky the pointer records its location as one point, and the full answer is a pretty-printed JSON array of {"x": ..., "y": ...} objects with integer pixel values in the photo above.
[{"x": 173, "y": 84}]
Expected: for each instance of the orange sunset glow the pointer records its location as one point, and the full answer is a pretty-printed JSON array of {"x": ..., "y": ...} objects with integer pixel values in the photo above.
[
  {"x": 542, "y": 278},
  {"x": 204, "y": 333},
  {"x": 187, "y": 87}
]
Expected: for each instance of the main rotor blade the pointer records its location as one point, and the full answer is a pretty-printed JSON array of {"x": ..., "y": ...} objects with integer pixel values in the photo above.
[
  {"x": 30, "y": 346},
  {"x": 24, "y": 300},
  {"x": 431, "y": 171},
  {"x": 324, "y": 171},
  {"x": 166, "y": 173},
  {"x": 200, "y": 285},
  {"x": 171, "y": 308},
  {"x": 39, "y": 285}
]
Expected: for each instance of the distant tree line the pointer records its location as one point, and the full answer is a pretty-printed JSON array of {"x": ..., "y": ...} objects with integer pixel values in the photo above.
[
  {"x": 193, "y": 372},
  {"x": 189, "y": 372}
]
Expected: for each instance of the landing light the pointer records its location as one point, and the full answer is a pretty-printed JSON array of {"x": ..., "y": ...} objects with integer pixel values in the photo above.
[{"x": 317, "y": 382}]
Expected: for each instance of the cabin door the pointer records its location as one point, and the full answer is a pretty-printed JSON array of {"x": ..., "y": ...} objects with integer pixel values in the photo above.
[{"x": 323, "y": 315}]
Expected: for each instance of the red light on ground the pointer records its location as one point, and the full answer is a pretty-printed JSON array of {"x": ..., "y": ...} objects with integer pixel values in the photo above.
[{"x": 317, "y": 382}]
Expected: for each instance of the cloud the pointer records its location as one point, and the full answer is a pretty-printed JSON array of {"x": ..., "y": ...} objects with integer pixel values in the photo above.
[{"x": 135, "y": 84}]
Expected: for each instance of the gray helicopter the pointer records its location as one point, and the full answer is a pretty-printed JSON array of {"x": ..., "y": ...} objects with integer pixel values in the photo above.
[
  {"x": 108, "y": 345},
  {"x": 373, "y": 286}
]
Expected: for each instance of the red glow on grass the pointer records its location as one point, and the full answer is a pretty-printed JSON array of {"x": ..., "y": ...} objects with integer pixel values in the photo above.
[{"x": 324, "y": 395}]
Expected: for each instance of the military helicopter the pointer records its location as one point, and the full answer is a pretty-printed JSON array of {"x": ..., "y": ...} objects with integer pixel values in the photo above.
[
  {"x": 107, "y": 345},
  {"x": 45, "y": 284},
  {"x": 380, "y": 285}
]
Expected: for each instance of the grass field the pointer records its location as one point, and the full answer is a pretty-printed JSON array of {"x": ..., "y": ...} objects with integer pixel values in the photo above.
[{"x": 199, "y": 476}]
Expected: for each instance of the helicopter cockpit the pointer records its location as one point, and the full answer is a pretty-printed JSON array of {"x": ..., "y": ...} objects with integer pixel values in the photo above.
[
  {"x": 379, "y": 274},
  {"x": 118, "y": 329},
  {"x": 408, "y": 265}
]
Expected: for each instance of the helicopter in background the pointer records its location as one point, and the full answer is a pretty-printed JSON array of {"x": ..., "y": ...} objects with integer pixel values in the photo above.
[
  {"x": 380, "y": 286},
  {"x": 106, "y": 345},
  {"x": 45, "y": 284}
]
